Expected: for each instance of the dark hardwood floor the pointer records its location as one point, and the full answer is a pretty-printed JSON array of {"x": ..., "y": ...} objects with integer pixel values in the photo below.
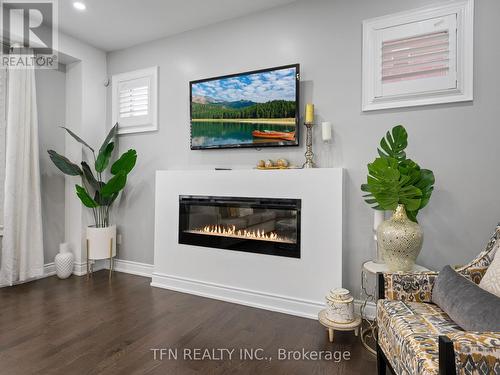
[{"x": 76, "y": 326}]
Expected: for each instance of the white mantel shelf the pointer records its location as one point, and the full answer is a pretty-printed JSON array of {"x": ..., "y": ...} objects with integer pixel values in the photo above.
[{"x": 288, "y": 285}]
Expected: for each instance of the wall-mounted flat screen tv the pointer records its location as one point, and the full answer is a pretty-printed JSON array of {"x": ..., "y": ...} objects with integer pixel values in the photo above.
[{"x": 251, "y": 109}]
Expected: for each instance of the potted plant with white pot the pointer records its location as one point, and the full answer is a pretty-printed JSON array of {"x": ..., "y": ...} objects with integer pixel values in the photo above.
[
  {"x": 99, "y": 189},
  {"x": 397, "y": 183}
]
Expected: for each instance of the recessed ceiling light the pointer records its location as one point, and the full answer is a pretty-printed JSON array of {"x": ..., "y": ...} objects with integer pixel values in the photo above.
[{"x": 79, "y": 5}]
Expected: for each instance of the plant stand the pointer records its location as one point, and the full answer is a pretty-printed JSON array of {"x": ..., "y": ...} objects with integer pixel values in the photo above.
[
  {"x": 332, "y": 326},
  {"x": 368, "y": 295},
  {"x": 90, "y": 268}
]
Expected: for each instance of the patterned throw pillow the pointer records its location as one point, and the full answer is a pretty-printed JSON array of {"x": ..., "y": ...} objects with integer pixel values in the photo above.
[{"x": 491, "y": 279}]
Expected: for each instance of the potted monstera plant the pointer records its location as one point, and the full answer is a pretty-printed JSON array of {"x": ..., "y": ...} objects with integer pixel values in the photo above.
[
  {"x": 99, "y": 189},
  {"x": 397, "y": 183}
]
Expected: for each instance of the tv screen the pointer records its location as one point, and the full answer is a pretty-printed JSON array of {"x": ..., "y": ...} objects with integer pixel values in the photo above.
[{"x": 252, "y": 109}]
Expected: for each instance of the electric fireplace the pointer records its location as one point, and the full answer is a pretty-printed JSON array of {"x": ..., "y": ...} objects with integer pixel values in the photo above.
[{"x": 258, "y": 225}]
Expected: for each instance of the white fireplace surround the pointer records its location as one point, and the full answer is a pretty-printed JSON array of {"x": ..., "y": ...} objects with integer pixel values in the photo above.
[{"x": 288, "y": 285}]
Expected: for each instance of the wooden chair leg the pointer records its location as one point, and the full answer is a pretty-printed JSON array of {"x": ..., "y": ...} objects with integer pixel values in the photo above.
[
  {"x": 381, "y": 363},
  {"x": 446, "y": 356}
]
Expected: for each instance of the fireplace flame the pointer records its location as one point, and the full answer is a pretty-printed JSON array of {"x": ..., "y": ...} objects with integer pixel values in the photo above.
[{"x": 231, "y": 231}]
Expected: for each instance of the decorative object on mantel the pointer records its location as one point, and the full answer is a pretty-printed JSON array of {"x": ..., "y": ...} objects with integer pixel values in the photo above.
[
  {"x": 399, "y": 184},
  {"x": 64, "y": 261},
  {"x": 326, "y": 131},
  {"x": 332, "y": 326},
  {"x": 340, "y": 306},
  {"x": 97, "y": 194},
  {"x": 309, "y": 121},
  {"x": 279, "y": 164},
  {"x": 282, "y": 163}
]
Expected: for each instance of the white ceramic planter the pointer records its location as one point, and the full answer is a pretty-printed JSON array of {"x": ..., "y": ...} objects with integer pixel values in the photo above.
[
  {"x": 99, "y": 241},
  {"x": 340, "y": 306}
]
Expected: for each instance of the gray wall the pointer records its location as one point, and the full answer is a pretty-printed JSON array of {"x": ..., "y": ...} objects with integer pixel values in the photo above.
[
  {"x": 51, "y": 93},
  {"x": 459, "y": 142}
]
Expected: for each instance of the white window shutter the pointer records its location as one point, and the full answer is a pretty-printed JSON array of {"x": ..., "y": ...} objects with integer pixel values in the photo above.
[
  {"x": 422, "y": 56},
  {"x": 419, "y": 57},
  {"x": 135, "y": 101}
]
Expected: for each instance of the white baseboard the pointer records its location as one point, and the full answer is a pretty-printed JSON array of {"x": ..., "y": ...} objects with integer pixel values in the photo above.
[
  {"x": 266, "y": 301},
  {"x": 119, "y": 265},
  {"x": 134, "y": 268},
  {"x": 49, "y": 269},
  {"x": 80, "y": 269}
]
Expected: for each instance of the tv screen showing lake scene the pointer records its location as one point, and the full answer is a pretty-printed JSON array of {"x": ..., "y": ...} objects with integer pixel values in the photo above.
[{"x": 253, "y": 109}]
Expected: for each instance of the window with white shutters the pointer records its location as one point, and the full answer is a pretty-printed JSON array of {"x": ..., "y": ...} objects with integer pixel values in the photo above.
[
  {"x": 135, "y": 101},
  {"x": 418, "y": 57}
]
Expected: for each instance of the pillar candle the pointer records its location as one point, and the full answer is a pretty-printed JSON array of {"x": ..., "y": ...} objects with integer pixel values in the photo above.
[
  {"x": 378, "y": 218},
  {"x": 309, "y": 113},
  {"x": 326, "y": 131}
]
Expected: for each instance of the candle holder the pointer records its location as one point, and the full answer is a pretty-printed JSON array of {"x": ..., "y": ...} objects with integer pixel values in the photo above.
[{"x": 309, "y": 152}]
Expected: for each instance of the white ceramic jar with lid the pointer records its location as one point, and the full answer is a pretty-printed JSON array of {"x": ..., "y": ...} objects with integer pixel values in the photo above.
[{"x": 340, "y": 306}]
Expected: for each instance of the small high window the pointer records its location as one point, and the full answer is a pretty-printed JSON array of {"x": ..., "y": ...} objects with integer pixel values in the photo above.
[{"x": 135, "y": 101}]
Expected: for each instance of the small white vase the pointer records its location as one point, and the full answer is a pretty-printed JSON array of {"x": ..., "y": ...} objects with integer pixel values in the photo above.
[
  {"x": 100, "y": 241},
  {"x": 64, "y": 262}
]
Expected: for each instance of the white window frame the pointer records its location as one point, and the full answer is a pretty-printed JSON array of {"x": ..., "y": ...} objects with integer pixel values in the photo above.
[
  {"x": 463, "y": 91},
  {"x": 141, "y": 125}
]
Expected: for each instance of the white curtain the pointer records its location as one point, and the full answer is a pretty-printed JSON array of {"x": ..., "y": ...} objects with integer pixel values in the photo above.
[
  {"x": 22, "y": 247},
  {"x": 3, "y": 120}
]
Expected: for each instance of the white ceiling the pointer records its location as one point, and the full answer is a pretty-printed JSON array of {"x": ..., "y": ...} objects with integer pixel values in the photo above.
[{"x": 117, "y": 24}]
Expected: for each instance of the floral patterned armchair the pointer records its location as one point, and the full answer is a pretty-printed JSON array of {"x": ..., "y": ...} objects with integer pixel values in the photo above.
[{"x": 417, "y": 337}]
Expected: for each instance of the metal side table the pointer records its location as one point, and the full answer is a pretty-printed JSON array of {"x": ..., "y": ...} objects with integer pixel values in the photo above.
[{"x": 368, "y": 294}]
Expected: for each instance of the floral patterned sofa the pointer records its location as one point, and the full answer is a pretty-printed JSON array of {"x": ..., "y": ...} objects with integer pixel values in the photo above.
[{"x": 415, "y": 337}]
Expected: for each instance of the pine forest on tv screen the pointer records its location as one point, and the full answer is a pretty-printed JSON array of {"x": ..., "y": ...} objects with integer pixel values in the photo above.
[{"x": 250, "y": 109}]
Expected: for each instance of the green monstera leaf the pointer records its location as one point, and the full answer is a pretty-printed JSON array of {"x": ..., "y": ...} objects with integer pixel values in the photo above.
[
  {"x": 393, "y": 179},
  {"x": 387, "y": 186},
  {"x": 394, "y": 144},
  {"x": 426, "y": 185}
]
